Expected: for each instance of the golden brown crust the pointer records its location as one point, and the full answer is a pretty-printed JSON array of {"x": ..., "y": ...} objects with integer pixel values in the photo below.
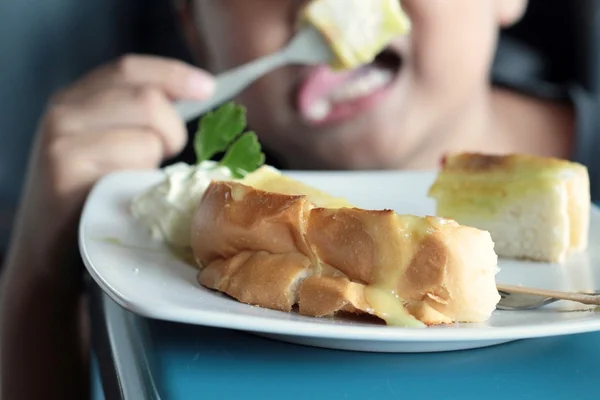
[
  {"x": 253, "y": 222},
  {"x": 478, "y": 162},
  {"x": 578, "y": 209},
  {"x": 339, "y": 239},
  {"x": 474, "y": 161},
  {"x": 323, "y": 296},
  {"x": 276, "y": 250}
]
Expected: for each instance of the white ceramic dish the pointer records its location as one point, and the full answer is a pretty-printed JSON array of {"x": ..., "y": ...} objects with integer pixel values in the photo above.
[{"x": 142, "y": 276}]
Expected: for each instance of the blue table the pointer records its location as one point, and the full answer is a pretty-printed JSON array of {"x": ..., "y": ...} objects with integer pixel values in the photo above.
[
  {"x": 221, "y": 364},
  {"x": 190, "y": 362},
  {"x": 145, "y": 359}
]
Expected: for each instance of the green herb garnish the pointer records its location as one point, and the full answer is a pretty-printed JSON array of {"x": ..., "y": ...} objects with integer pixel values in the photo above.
[
  {"x": 244, "y": 156},
  {"x": 222, "y": 130}
]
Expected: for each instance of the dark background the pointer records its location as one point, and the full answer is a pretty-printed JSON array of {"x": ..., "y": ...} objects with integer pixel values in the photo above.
[{"x": 45, "y": 45}]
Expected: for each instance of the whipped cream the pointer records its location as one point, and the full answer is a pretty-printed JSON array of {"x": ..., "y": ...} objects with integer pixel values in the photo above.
[{"x": 166, "y": 209}]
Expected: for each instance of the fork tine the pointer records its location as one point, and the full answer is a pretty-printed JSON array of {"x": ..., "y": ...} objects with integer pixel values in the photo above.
[{"x": 309, "y": 46}]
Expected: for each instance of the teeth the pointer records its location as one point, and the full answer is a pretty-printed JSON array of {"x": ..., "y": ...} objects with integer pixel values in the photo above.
[
  {"x": 353, "y": 89},
  {"x": 319, "y": 110},
  {"x": 361, "y": 86}
]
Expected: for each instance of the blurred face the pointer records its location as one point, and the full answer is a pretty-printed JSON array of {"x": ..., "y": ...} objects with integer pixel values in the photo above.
[{"x": 381, "y": 116}]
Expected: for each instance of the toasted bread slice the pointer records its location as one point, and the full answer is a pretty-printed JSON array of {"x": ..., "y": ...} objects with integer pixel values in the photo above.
[
  {"x": 379, "y": 22},
  {"x": 535, "y": 208},
  {"x": 278, "y": 250}
]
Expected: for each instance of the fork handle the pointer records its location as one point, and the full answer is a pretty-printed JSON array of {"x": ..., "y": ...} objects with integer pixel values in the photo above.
[
  {"x": 582, "y": 298},
  {"x": 230, "y": 83}
]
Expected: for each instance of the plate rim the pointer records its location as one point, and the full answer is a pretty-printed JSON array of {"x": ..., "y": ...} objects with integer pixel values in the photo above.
[{"x": 271, "y": 325}]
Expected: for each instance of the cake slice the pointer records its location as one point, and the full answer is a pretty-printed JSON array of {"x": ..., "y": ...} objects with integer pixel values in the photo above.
[{"x": 535, "y": 208}]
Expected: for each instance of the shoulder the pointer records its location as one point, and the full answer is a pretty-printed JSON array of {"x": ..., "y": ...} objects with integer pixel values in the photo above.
[{"x": 550, "y": 57}]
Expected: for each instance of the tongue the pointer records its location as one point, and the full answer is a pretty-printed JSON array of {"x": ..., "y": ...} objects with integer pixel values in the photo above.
[{"x": 319, "y": 83}]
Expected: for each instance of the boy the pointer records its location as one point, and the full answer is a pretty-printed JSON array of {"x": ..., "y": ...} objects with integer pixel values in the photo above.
[{"x": 433, "y": 95}]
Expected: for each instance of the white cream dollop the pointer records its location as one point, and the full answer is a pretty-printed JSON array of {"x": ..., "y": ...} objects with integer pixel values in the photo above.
[{"x": 166, "y": 209}]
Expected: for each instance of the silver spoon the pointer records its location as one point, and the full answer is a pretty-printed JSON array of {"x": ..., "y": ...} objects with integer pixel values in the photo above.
[
  {"x": 523, "y": 298},
  {"x": 307, "y": 47}
]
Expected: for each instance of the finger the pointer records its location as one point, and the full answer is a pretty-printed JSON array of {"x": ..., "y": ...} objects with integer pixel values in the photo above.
[
  {"x": 79, "y": 161},
  {"x": 125, "y": 107},
  {"x": 177, "y": 79},
  {"x": 116, "y": 149}
]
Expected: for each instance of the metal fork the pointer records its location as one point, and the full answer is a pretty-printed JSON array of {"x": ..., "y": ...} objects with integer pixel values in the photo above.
[
  {"x": 521, "y": 298},
  {"x": 307, "y": 47}
]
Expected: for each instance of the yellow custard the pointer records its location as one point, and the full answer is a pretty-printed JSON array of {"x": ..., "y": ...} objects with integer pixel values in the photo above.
[
  {"x": 471, "y": 183},
  {"x": 387, "y": 305},
  {"x": 269, "y": 179},
  {"x": 391, "y": 265}
]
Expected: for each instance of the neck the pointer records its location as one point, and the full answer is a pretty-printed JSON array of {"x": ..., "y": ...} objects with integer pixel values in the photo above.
[
  {"x": 533, "y": 125},
  {"x": 468, "y": 130},
  {"x": 501, "y": 122}
]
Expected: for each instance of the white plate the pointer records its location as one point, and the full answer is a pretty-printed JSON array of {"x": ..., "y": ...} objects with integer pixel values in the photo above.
[{"x": 141, "y": 275}]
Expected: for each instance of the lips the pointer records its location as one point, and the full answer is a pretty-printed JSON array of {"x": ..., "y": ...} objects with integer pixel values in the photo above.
[{"x": 327, "y": 96}]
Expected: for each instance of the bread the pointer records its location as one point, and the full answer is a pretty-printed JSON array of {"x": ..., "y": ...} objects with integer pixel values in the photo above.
[
  {"x": 356, "y": 30},
  {"x": 534, "y": 207},
  {"x": 278, "y": 251}
]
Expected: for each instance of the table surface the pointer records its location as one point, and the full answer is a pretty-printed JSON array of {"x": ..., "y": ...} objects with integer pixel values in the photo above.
[
  {"x": 189, "y": 362},
  {"x": 163, "y": 360},
  {"x": 193, "y": 360}
]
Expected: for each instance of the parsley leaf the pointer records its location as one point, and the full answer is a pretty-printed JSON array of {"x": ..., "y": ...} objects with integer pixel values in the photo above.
[
  {"x": 244, "y": 156},
  {"x": 218, "y": 129},
  {"x": 221, "y": 131}
]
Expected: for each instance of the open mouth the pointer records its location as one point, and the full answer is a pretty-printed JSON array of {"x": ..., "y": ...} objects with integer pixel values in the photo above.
[{"x": 327, "y": 96}]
